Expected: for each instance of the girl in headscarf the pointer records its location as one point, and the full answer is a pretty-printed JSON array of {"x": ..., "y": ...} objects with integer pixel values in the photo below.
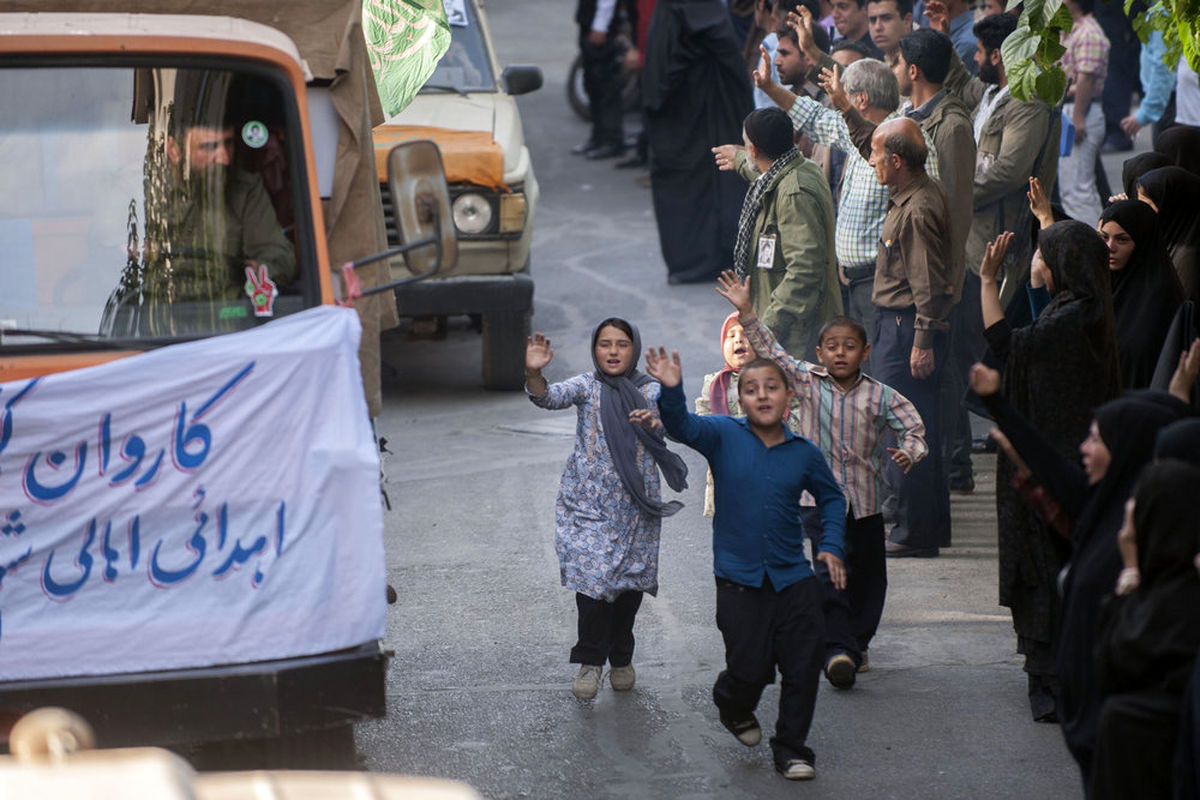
[
  {"x": 1119, "y": 444},
  {"x": 719, "y": 393},
  {"x": 1149, "y": 635},
  {"x": 608, "y": 512},
  {"x": 1145, "y": 289},
  {"x": 1175, "y": 194},
  {"x": 1057, "y": 370}
]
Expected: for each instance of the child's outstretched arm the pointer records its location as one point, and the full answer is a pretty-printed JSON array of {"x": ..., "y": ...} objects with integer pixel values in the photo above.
[
  {"x": 697, "y": 432},
  {"x": 538, "y": 354},
  {"x": 902, "y": 417},
  {"x": 737, "y": 291}
]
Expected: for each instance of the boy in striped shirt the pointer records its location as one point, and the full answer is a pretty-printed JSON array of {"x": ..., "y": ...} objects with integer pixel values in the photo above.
[{"x": 847, "y": 414}]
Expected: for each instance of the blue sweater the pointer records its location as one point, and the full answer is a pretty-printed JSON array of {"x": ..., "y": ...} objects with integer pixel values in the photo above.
[{"x": 756, "y": 527}]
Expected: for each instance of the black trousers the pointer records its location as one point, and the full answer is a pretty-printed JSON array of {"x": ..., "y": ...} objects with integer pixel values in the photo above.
[
  {"x": 603, "y": 82},
  {"x": 764, "y": 629},
  {"x": 606, "y": 630},
  {"x": 852, "y": 614},
  {"x": 922, "y": 501},
  {"x": 965, "y": 348}
]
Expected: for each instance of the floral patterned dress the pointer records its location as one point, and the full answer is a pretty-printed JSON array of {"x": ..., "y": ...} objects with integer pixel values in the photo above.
[{"x": 606, "y": 544}]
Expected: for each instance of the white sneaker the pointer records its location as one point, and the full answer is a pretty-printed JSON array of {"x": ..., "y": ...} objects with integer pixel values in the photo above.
[
  {"x": 622, "y": 678},
  {"x": 587, "y": 682},
  {"x": 797, "y": 769}
]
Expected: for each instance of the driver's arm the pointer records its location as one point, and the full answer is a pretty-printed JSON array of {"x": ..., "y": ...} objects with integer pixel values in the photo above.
[{"x": 262, "y": 236}]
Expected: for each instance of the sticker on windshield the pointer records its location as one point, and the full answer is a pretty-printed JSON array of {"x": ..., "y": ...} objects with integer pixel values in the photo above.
[
  {"x": 456, "y": 12},
  {"x": 254, "y": 134},
  {"x": 261, "y": 291}
]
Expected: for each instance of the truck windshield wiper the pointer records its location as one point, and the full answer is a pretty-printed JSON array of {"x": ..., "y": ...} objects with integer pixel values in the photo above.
[
  {"x": 445, "y": 88},
  {"x": 91, "y": 340}
]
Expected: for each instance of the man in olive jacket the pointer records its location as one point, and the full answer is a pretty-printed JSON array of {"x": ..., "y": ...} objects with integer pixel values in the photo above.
[{"x": 785, "y": 233}]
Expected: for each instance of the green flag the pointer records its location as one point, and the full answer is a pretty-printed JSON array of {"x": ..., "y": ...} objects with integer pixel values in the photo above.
[{"x": 405, "y": 40}]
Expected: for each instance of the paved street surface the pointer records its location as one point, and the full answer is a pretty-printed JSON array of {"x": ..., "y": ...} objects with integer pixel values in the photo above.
[{"x": 480, "y": 685}]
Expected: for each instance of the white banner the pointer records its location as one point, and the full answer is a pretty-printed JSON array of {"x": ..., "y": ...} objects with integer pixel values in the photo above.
[{"x": 212, "y": 502}]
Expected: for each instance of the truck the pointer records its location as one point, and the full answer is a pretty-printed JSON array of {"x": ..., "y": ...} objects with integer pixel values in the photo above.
[
  {"x": 467, "y": 107},
  {"x": 192, "y": 186}
]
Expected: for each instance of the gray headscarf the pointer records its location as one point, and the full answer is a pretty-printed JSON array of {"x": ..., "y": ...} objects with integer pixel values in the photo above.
[{"x": 619, "y": 395}]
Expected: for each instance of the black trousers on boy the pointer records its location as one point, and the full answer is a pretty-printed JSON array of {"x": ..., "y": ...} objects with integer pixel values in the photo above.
[
  {"x": 852, "y": 614},
  {"x": 606, "y": 630},
  {"x": 764, "y": 629}
]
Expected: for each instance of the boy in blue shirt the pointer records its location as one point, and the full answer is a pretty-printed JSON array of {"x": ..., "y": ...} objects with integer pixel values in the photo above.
[{"x": 769, "y": 603}]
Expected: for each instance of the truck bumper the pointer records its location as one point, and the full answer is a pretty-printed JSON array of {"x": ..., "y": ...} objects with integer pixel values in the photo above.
[
  {"x": 467, "y": 294},
  {"x": 244, "y": 701}
]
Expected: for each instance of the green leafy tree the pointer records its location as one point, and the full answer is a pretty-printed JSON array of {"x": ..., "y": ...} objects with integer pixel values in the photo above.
[{"x": 1032, "y": 52}]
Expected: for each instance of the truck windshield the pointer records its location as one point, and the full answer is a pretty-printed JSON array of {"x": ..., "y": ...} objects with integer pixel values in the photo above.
[
  {"x": 466, "y": 66},
  {"x": 144, "y": 203}
]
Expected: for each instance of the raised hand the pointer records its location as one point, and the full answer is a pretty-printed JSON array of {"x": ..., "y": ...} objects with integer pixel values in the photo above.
[
  {"x": 801, "y": 22},
  {"x": 724, "y": 154},
  {"x": 993, "y": 257},
  {"x": 985, "y": 381},
  {"x": 663, "y": 368},
  {"x": 736, "y": 290},
  {"x": 1039, "y": 204},
  {"x": 1127, "y": 536},
  {"x": 538, "y": 352},
  {"x": 762, "y": 75},
  {"x": 1185, "y": 374},
  {"x": 260, "y": 289},
  {"x": 938, "y": 16},
  {"x": 646, "y": 418},
  {"x": 903, "y": 459},
  {"x": 831, "y": 82}
]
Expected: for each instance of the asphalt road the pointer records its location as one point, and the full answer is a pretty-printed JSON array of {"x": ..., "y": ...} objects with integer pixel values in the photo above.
[{"x": 479, "y": 689}]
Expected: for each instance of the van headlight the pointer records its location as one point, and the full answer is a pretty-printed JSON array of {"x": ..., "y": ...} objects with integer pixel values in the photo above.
[{"x": 472, "y": 213}]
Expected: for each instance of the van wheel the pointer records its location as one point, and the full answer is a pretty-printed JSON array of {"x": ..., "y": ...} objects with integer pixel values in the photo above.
[{"x": 504, "y": 334}]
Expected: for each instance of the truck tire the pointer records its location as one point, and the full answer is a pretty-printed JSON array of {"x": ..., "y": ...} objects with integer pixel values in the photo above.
[{"x": 504, "y": 334}]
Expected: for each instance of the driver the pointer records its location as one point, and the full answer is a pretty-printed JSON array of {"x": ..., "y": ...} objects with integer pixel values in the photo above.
[{"x": 218, "y": 221}]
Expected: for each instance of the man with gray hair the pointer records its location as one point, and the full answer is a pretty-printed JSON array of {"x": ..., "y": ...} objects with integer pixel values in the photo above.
[{"x": 863, "y": 201}]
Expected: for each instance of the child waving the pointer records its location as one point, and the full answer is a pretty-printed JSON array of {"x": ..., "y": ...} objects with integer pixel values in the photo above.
[{"x": 608, "y": 512}]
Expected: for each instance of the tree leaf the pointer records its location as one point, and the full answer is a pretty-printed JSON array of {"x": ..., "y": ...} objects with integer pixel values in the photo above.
[{"x": 1051, "y": 85}]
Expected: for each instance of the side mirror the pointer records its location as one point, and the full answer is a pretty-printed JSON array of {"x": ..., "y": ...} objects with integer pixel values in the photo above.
[
  {"x": 421, "y": 207},
  {"x": 521, "y": 79}
]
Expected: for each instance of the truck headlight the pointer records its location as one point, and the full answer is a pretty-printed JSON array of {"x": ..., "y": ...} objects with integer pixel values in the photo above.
[{"x": 472, "y": 213}]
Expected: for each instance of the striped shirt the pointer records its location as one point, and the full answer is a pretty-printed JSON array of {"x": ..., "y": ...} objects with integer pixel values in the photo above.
[
  {"x": 848, "y": 426},
  {"x": 862, "y": 202}
]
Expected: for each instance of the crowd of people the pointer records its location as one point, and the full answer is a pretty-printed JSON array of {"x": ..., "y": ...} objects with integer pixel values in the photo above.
[{"x": 864, "y": 189}]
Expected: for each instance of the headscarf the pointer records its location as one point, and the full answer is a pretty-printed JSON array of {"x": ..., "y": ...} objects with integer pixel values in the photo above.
[
  {"x": 619, "y": 395},
  {"x": 1176, "y": 194},
  {"x": 1145, "y": 292},
  {"x": 1151, "y": 638},
  {"x": 1137, "y": 166},
  {"x": 718, "y": 390},
  {"x": 1082, "y": 304},
  {"x": 1181, "y": 145},
  {"x": 1128, "y": 426},
  {"x": 1180, "y": 441}
]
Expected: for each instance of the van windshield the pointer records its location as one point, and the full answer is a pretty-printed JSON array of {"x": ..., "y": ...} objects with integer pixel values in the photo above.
[
  {"x": 466, "y": 66},
  {"x": 144, "y": 203}
]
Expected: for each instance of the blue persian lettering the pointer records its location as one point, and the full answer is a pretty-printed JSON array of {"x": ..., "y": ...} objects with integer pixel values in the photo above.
[
  {"x": 6, "y": 426},
  {"x": 110, "y": 555},
  {"x": 43, "y": 493},
  {"x": 12, "y": 565},
  {"x": 197, "y": 544},
  {"x": 84, "y": 561}
]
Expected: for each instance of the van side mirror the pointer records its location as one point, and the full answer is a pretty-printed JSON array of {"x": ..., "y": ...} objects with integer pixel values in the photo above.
[{"x": 521, "y": 78}]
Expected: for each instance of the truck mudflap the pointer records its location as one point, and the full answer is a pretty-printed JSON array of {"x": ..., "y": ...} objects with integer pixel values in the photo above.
[{"x": 262, "y": 700}]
